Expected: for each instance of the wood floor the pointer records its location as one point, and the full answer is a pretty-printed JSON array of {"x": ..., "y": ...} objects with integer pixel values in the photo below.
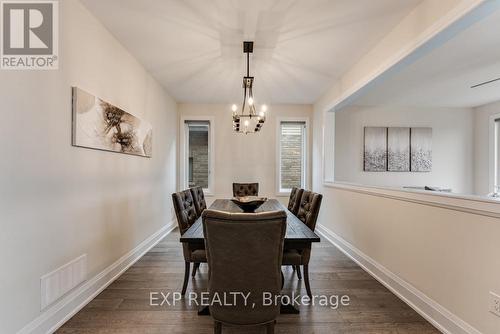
[{"x": 124, "y": 307}]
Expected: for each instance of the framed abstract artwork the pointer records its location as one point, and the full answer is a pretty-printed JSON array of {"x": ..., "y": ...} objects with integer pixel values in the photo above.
[
  {"x": 375, "y": 149},
  {"x": 100, "y": 125},
  {"x": 398, "y": 149},
  {"x": 421, "y": 149}
]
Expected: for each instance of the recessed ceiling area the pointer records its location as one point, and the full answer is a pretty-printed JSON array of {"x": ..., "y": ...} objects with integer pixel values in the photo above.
[
  {"x": 444, "y": 76},
  {"x": 194, "y": 48}
]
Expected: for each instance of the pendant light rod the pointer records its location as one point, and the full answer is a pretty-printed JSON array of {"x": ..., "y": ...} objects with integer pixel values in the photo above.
[
  {"x": 248, "y": 64},
  {"x": 248, "y": 49}
]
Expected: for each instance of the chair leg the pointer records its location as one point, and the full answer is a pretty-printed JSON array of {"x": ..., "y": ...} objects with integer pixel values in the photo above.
[
  {"x": 217, "y": 327},
  {"x": 270, "y": 327},
  {"x": 299, "y": 274},
  {"x": 306, "y": 277},
  {"x": 195, "y": 269},
  {"x": 186, "y": 277}
]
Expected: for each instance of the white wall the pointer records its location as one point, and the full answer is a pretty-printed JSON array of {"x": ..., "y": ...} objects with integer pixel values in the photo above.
[
  {"x": 450, "y": 256},
  {"x": 482, "y": 132},
  {"x": 246, "y": 158},
  {"x": 58, "y": 202},
  {"x": 452, "y": 146}
]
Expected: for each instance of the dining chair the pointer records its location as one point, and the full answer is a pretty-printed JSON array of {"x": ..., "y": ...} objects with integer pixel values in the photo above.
[
  {"x": 294, "y": 201},
  {"x": 245, "y": 189},
  {"x": 199, "y": 200},
  {"x": 185, "y": 212},
  {"x": 308, "y": 212},
  {"x": 200, "y": 205},
  {"x": 244, "y": 252}
]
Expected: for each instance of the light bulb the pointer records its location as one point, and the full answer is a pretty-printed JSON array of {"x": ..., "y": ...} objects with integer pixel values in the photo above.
[
  {"x": 246, "y": 123},
  {"x": 234, "y": 107},
  {"x": 264, "y": 108},
  {"x": 250, "y": 101}
]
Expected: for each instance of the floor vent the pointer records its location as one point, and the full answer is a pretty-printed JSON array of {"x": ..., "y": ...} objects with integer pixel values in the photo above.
[{"x": 56, "y": 284}]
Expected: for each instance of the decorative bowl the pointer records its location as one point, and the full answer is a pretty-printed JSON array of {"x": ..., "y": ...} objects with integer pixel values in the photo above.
[{"x": 249, "y": 203}]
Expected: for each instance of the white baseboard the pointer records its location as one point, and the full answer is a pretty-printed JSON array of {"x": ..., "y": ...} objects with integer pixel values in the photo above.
[
  {"x": 432, "y": 311},
  {"x": 56, "y": 315}
]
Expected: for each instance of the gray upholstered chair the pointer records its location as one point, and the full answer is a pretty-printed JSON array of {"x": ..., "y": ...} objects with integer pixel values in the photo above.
[
  {"x": 245, "y": 189},
  {"x": 244, "y": 252},
  {"x": 294, "y": 201},
  {"x": 200, "y": 205},
  {"x": 199, "y": 200},
  {"x": 185, "y": 211},
  {"x": 308, "y": 212}
]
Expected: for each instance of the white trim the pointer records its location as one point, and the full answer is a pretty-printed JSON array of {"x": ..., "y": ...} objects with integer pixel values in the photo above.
[
  {"x": 492, "y": 153},
  {"x": 307, "y": 148},
  {"x": 477, "y": 205},
  {"x": 428, "y": 308},
  {"x": 211, "y": 153},
  {"x": 331, "y": 145},
  {"x": 56, "y": 315}
]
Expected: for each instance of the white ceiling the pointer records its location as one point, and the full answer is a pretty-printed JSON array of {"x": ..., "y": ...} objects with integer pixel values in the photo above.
[
  {"x": 194, "y": 49},
  {"x": 444, "y": 76}
]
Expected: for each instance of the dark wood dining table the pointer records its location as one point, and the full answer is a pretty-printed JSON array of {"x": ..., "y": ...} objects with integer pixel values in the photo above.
[{"x": 298, "y": 235}]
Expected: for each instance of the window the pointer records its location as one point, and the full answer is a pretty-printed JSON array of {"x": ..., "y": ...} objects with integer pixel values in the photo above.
[
  {"x": 196, "y": 155},
  {"x": 292, "y": 155}
]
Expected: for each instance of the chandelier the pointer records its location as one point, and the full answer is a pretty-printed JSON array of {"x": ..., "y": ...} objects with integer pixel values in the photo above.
[{"x": 248, "y": 120}]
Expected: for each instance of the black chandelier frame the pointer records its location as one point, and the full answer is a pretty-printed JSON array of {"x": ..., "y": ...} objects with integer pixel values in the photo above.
[{"x": 248, "y": 96}]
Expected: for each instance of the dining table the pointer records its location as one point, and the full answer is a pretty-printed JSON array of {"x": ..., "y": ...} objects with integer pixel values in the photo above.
[{"x": 298, "y": 235}]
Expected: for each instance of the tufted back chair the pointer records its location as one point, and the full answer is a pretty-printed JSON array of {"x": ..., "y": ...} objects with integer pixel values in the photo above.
[
  {"x": 245, "y": 189},
  {"x": 185, "y": 209},
  {"x": 244, "y": 252},
  {"x": 308, "y": 209},
  {"x": 199, "y": 200},
  {"x": 294, "y": 201}
]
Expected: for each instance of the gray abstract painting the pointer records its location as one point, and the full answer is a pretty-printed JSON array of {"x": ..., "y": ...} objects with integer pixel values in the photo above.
[
  {"x": 421, "y": 149},
  {"x": 375, "y": 150},
  {"x": 100, "y": 125},
  {"x": 398, "y": 149}
]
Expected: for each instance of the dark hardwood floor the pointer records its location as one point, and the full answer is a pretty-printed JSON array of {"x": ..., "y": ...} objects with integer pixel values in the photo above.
[{"x": 124, "y": 307}]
